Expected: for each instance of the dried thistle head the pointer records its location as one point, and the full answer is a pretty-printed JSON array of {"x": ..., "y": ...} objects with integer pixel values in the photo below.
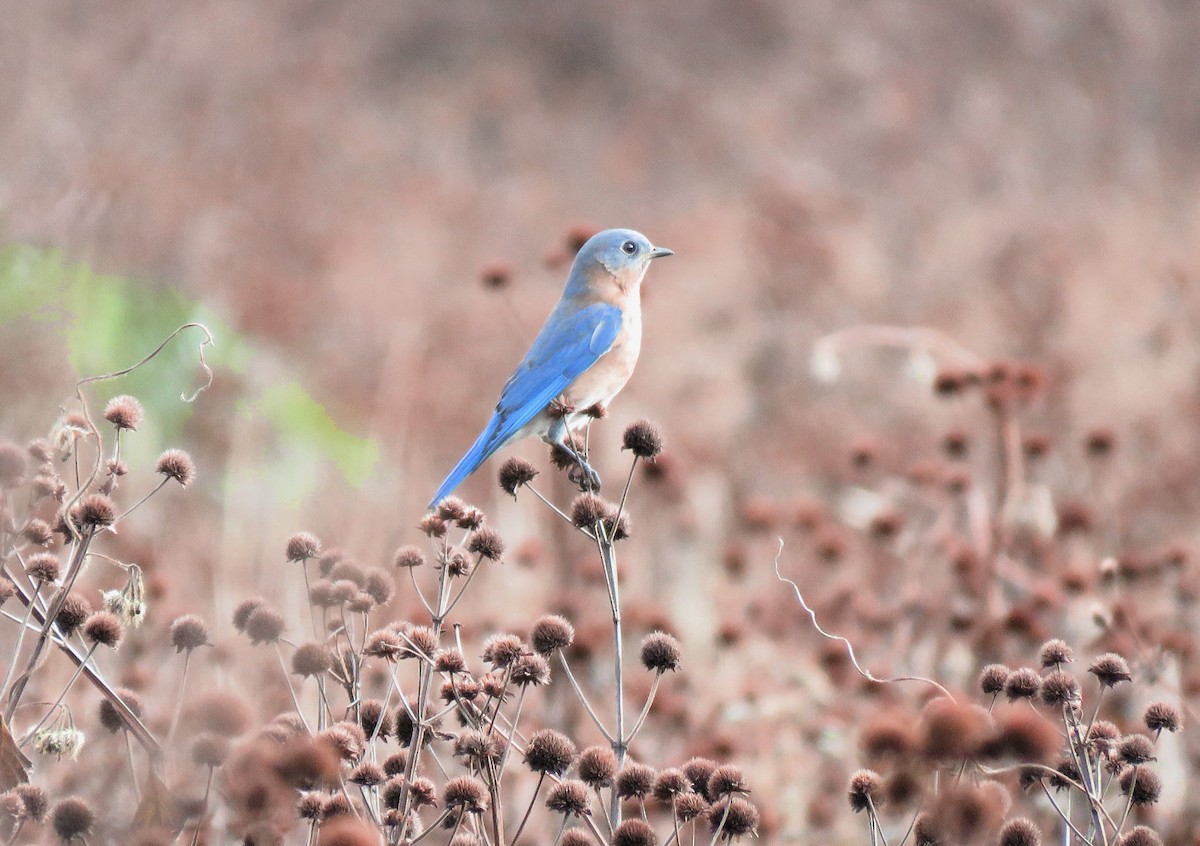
[
  {"x": 124, "y": 413},
  {"x": 178, "y": 465}
]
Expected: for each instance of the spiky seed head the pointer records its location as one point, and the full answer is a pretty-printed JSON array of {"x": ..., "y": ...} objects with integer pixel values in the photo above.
[
  {"x": 327, "y": 560},
  {"x": 587, "y": 510},
  {"x": 421, "y": 642},
  {"x": 1140, "y": 835},
  {"x": 689, "y": 806},
  {"x": 347, "y": 570},
  {"x": 42, "y": 568},
  {"x": 243, "y": 610},
  {"x": 530, "y": 670},
  {"x": 733, "y": 817},
  {"x": 514, "y": 474},
  {"x": 670, "y": 784},
  {"x": 1020, "y": 831},
  {"x": 303, "y": 546},
  {"x": 634, "y": 832},
  {"x": 1136, "y": 749},
  {"x": 570, "y": 798},
  {"x": 549, "y": 751},
  {"x": 487, "y": 543},
  {"x": 1022, "y": 683},
  {"x": 634, "y": 781},
  {"x": 699, "y": 770},
  {"x": 34, "y": 803},
  {"x": 864, "y": 790},
  {"x": 449, "y": 661},
  {"x": 597, "y": 766},
  {"x": 375, "y": 720},
  {"x": 72, "y": 817},
  {"x": 367, "y": 774},
  {"x": 209, "y": 750},
  {"x": 1055, "y": 652},
  {"x": 265, "y": 625},
  {"x": 501, "y": 650},
  {"x": 1110, "y": 669},
  {"x": 993, "y": 678},
  {"x": 1059, "y": 688},
  {"x": 643, "y": 439},
  {"x": 407, "y": 557},
  {"x": 396, "y": 763},
  {"x": 551, "y": 633},
  {"x": 38, "y": 532},
  {"x": 1141, "y": 784},
  {"x": 74, "y": 611},
  {"x": 466, "y": 794},
  {"x": 660, "y": 652},
  {"x": 188, "y": 632},
  {"x": 726, "y": 780},
  {"x": 310, "y": 806},
  {"x": 178, "y": 465},
  {"x": 379, "y": 585},
  {"x": 1159, "y": 716},
  {"x": 311, "y": 659},
  {"x": 433, "y": 526},
  {"x": 111, "y": 718},
  {"x": 103, "y": 629},
  {"x": 95, "y": 511},
  {"x": 576, "y": 837},
  {"x": 124, "y": 412}
]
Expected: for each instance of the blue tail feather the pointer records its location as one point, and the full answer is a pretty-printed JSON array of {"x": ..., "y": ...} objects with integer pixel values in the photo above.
[{"x": 480, "y": 451}]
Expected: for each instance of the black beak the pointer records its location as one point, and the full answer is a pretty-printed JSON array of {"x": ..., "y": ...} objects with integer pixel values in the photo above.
[{"x": 660, "y": 252}]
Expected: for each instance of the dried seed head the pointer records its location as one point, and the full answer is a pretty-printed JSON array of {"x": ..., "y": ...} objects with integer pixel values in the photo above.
[
  {"x": 466, "y": 794},
  {"x": 549, "y": 752},
  {"x": 408, "y": 556},
  {"x": 385, "y": 644},
  {"x": 733, "y": 817},
  {"x": 864, "y": 790},
  {"x": 379, "y": 585},
  {"x": 951, "y": 731},
  {"x": 993, "y": 678},
  {"x": 689, "y": 806},
  {"x": 178, "y": 465},
  {"x": 449, "y": 661},
  {"x": 327, "y": 560},
  {"x": 660, "y": 652},
  {"x": 265, "y": 625},
  {"x": 396, "y": 763},
  {"x": 587, "y": 510},
  {"x": 432, "y": 526},
  {"x": 103, "y": 629},
  {"x": 367, "y": 774},
  {"x": 501, "y": 650},
  {"x": 311, "y": 659},
  {"x": 698, "y": 771},
  {"x": 451, "y": 509},
  {"x": 71, "y": 818},
  {"x": 38, "y": 532},
  {"x": 243, "y": 610},
  {"x": 1022, "y": 684},
  {"x": 111, "y": 718},
  {"x": 1023, "y": 735},
  {"x": 643, "y": 439},
  {"x": 669, "y": 784},
  {"x": 1140, "y": 836},
  {"x": 188, "y": 632},
  {"x": 209, "y": 750},
  {"x": 124, "y": 412},
  {"x": 530, "y": 670},
  {"x": 515, "y": 473},
  {"x": 1055, "y": 652},
  {"x": 726, "y": 780},
  {"x": 1020, "y": 831},
  {"x": 42, "y": 568},
  {"x": 1141, "y": 784},
  {"x": 597, "y": 766},
  {"x": 34, "y": 803},
  {"x": 217, "y": 711},
  {"x": 479, "y": 750},
  {"x": 1059, "y": 688},
  {"x": 486, "y": 543},
  {"x": 421, "y": 642},
  {"x": 1136, "y": 749},
  {"x": 635, "y": 781},
  {"x": 346, "y": 739},
  {"x": 332, "y": 807},
  {"x": 570, "y": 798},
  {"x": 7, "y": 590},
  {"x": 74, "y": 611},
  {"x": 95, "y": 511},
  {"x": 310, "y": 805},
  {"x": 346, "y": 570},
  {"x": 374, "y": 719},
  {"x": 634, "y": 832},
  {"x": 576, "y": 837},
  {"x": 1109, "y": 669},
  {"x": 303, "y": 546},
  {"x": 551, "y": 633},
  {"x": 1160, "y": 716}
]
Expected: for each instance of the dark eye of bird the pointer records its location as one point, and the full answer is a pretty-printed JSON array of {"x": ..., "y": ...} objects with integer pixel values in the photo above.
[{"x": 629, "y": 247}]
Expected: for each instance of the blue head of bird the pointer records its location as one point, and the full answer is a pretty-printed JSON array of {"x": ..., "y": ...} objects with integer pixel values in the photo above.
[{"x": 613, "y": 261}]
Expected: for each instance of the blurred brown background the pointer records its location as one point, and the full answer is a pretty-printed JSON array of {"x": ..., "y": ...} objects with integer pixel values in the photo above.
[{"x": 332, "y": 181}]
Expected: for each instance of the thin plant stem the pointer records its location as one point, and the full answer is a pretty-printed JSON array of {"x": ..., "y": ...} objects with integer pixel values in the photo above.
[
  {"x": 20, "y": 639},
  {"x": 529, "y": 810},
  {"x": 645, "y": 708},
  {"x": 187, "y": 659},
  {"x": 288, "y": 681},
  {"x": 141, "y": 501},
  {"x": 562, "y": 658},
  {"x": 75, "y": 675}
]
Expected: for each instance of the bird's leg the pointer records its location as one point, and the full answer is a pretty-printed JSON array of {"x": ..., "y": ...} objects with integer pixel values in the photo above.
[{"x": 560, "y": 435}]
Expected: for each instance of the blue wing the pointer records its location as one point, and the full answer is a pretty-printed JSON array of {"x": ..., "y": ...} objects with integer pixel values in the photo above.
[{"x": 569, "y": 343}]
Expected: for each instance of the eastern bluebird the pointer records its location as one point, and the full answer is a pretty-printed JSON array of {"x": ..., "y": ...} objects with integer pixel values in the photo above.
[{"x": 583, "y": 356}]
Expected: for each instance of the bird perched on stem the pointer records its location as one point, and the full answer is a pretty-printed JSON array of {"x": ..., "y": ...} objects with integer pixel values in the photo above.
[{"x": 581, "y": 359}]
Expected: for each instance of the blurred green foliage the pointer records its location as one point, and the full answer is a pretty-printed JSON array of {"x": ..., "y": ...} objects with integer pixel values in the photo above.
[{"x": 109, "y": 322}]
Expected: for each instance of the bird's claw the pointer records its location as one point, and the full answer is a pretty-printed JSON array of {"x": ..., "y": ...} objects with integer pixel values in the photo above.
[{"x": 585, "y": 477}]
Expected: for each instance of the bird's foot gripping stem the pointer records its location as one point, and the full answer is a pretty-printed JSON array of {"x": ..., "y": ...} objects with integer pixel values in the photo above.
[{"x": 579, "y": 472}]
